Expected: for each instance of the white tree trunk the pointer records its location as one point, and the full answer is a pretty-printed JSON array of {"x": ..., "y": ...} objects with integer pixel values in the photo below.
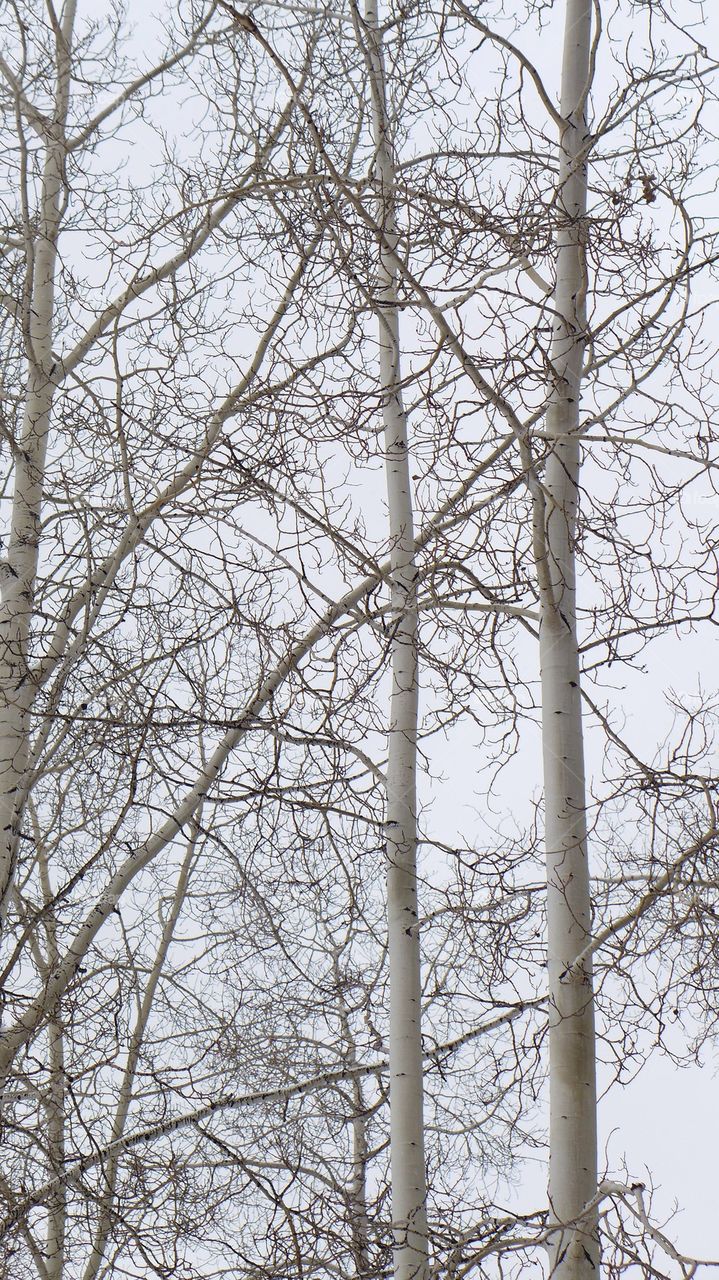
[
  {"x": 359, "y": 1218},
  {"x": 573, "y": 1135},
  {"x": 106, "y": 1205},
  {"x": 16, "y": 689},
  {"x": 56, "y": 1099},
  {"x": 409, "y": 1185}
]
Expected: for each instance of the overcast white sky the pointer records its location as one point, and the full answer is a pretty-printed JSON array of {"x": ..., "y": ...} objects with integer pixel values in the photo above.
[{"x": 667, "y": 1120}]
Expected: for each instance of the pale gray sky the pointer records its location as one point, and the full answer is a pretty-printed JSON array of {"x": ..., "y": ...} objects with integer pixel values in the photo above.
[{"x": 667, "y": 1120}]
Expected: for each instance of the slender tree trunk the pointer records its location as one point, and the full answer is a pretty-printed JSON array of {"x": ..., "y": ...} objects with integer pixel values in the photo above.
[
  {"x": 359, "y": 1220},
  {"x": 16, "y": 689},
  {"x": 106, "y": 1203},
  {"x": 573, "y": 1134},
  {"x": 56, "y": 1103},
  {"x": 357, "y": 1190},
  {"x": 16, "y": 692},
  {"x": 409, "y": 1184}
]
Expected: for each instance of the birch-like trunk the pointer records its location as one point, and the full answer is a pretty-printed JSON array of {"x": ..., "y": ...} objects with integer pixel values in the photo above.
[
  {"x": 16, "y": 690},
  {"x": 573, "y": 1132},
  {"x": 106, "y": 1202},
  {"x": 359, "y": 1220},
  {"x": 409, "y": 1184},
  {"x": 55, "y": 1103}
]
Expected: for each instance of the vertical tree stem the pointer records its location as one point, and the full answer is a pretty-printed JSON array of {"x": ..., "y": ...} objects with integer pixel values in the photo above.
[
  {"x": 409, "y": 1187},
  {"x": 16, "y": 690},
  {"x": 573, "y": 1132}
]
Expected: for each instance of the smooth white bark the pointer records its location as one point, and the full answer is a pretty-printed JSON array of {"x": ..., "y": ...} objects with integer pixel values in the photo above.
[
  {"x": 105, "y": 1218},
  {"x": 359, "y": 1217},
  {"x": 573, "y": 1136},
  {"x": 409, "y": 1185},
  {"x": 233, "y": 1102},
  {"x": 41, "y": 1008},
  {"x": 16, "y": 687}
]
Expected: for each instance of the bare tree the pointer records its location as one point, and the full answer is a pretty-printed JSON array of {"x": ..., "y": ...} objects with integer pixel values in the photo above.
[
  {"x": 353, "y": 243},
  {"x": 408, "y": 1171},
  {"x": 572, "y": 1048}
]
